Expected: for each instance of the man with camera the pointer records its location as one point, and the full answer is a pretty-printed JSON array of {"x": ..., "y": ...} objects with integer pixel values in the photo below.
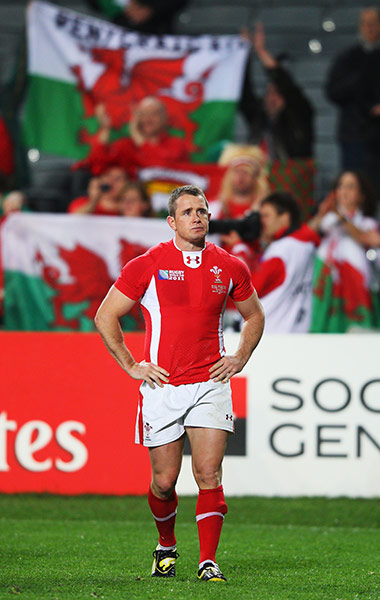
[{"x": 283, "y": 275}]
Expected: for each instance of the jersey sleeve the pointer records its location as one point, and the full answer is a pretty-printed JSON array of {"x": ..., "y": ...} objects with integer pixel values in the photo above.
[
  {"x": 133, "y": 279},
  {"x": 242, "y": 285}
]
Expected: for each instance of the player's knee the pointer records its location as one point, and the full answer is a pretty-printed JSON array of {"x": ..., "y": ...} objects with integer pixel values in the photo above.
[
  {"x": 163, "y": 485},
  {"x": 208, "y": 476}
]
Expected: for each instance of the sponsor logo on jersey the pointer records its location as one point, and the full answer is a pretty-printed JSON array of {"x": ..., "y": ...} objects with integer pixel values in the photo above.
[
  {"x": 192, "y": 259},
  {"x": 171, "y": 275}
]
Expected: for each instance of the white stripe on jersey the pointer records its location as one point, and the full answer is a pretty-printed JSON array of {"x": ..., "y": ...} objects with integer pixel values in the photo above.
[
  {"x": 150, "y": 302},
  {"x": 220, "y": 328}
]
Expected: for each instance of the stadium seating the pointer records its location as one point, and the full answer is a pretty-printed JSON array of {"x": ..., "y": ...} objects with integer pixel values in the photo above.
[
  {"x": 287, "y": 18},
  {"x": 197, "y": 20}
]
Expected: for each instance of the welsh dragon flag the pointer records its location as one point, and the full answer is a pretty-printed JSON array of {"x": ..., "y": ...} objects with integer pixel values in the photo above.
[
  {"x": 343, "y": 294},
  {"x": 58, "y": 268},
  {"x": 76, "y": 63}
]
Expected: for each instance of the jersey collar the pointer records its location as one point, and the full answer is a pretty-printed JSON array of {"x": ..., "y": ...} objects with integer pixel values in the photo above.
[{"x": 191, "y": 259}]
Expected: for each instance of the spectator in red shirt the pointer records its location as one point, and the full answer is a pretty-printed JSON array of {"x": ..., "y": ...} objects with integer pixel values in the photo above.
[
  {"x": 103, "y": 196},
  {"x": 150, "y": 142}
]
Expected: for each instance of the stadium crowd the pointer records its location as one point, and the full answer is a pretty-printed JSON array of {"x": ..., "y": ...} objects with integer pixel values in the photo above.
[{"x": 315, "y": 267}]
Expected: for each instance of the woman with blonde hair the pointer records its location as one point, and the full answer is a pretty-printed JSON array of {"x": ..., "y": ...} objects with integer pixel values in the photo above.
[{"x": 245, "y": 182}]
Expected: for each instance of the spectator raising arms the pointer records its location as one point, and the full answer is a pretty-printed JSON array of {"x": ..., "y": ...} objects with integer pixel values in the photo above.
[
  {"x": 282, "y": 122},
  {"x": 150, "y": 142}
]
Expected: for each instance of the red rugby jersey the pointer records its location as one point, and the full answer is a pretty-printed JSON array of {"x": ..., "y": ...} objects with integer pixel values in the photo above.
[{"x": 183, "y": 296}]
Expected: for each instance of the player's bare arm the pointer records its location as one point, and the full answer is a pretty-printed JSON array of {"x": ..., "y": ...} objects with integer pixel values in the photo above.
[
  {"x": 107, "y": 320},
  {"x": 252, "y": 330}
]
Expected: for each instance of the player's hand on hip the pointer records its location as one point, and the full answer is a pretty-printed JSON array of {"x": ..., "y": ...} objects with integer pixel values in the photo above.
[
  {"x": 225, "y": 368},
  {"x": 149, "y": 372}
]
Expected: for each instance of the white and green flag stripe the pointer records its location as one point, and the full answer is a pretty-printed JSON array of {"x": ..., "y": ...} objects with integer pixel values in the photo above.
[{"x": 76, "y": 62}]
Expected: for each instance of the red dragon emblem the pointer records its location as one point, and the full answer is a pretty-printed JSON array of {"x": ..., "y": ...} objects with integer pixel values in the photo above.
[
  {"x": 348, "y": 286},
  {"x": 120, "y": 88},
  {"x": 89, "y": 283}
]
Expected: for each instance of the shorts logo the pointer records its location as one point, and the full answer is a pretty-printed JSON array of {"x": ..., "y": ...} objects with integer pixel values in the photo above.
[
  {"x": 171, "y": 275},
  {"x": 148, "y": 428}
]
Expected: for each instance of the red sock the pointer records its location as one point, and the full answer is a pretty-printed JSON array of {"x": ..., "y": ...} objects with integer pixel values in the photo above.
[
  {"x": 164, "y": 513},
  {"x": 210, "y": 512}
]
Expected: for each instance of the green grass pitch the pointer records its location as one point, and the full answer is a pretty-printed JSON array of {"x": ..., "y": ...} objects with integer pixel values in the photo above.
[{"x": 76, "y": 548}]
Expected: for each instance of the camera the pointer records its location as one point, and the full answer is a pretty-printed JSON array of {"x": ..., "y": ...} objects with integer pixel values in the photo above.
[
  {"x": 105, "y": 187},
  {"x": 248, "y": 228}
]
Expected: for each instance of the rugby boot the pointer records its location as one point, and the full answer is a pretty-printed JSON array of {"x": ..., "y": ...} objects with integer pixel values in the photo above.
[
  {"x": 164, "y": 562},
  {"x": 210, "y": 572}
]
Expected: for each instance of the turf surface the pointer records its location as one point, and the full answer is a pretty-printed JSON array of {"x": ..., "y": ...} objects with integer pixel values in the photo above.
[{"x": 66, "y": 548}]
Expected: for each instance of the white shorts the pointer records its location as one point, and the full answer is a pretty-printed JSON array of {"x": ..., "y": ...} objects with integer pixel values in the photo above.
[{"x": 163, "y": 413}]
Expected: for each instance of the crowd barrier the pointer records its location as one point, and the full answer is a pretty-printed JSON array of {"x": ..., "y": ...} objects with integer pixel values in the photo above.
[{"x": 307, "y": 410}]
